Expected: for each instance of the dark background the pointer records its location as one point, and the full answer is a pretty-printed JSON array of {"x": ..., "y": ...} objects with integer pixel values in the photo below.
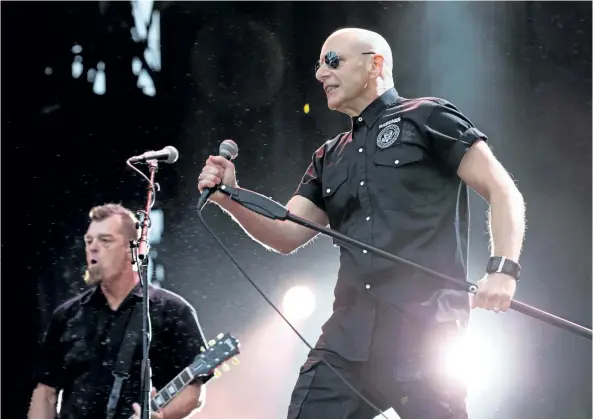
[{"x": 520, "y": 71}]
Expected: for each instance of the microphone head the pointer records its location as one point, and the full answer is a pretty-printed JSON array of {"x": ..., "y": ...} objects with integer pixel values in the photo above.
[
  {"x": 228, "y": 149},
  {"x": 173, "y": 154}
]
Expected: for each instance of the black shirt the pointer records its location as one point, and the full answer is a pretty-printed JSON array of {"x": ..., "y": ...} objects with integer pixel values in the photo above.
[
  {"x": 392, "y": 182},
  {"x": 82, "y": 343}
]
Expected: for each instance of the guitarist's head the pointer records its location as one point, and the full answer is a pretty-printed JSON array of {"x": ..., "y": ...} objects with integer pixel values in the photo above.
[{"x": 107, "y": 244}]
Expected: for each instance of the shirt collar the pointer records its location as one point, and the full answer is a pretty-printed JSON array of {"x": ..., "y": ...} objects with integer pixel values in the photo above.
[
  {"x": 377, "y": 107},
  {"x": 95, "y": 292}
]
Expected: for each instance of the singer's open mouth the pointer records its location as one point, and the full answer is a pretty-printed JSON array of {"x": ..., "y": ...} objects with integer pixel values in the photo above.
[{"x": 93, "y": 261}]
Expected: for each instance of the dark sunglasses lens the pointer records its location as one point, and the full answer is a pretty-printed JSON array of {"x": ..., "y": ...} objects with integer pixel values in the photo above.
[{"x": 332, "y": 60}]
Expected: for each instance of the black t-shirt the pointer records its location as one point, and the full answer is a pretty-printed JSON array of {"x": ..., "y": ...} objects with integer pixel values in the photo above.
[
  {"x": 82, "y": 342},
  {"x": 392, "y": 182}
]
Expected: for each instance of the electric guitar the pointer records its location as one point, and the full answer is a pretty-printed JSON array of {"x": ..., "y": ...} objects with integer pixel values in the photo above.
[{"x": 222, "y": 349}]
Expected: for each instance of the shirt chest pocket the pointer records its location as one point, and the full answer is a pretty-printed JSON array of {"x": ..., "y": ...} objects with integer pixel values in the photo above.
[
  {"x": 335, "y": 193},
  {"x": 404, "y": 177},
  {"x": 76, "y": 343}
]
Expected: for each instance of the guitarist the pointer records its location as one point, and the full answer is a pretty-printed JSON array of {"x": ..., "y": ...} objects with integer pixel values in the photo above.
[{"x": 82, "y": 342}]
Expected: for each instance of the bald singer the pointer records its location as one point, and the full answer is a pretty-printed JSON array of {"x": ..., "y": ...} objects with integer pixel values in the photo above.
[{"x": 398, "y": 180}]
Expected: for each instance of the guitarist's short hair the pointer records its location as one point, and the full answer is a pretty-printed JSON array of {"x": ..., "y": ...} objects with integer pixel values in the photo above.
[{"x": 129, "y": 220}]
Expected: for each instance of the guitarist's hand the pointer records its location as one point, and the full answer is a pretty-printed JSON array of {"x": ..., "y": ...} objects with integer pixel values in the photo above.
[{"x": 153, "y": 415}]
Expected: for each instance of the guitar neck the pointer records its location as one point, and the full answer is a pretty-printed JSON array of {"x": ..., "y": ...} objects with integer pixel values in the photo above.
[{"x": 175, "y": 386}]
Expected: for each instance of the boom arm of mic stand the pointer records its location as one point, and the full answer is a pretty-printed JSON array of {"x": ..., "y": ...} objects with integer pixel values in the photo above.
[{"x": 270, "y": 209}]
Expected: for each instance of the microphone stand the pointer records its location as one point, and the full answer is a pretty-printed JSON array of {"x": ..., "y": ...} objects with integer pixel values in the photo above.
[
  {"x": 143, "y": 247},
  {"x": 270, "y": 209}
]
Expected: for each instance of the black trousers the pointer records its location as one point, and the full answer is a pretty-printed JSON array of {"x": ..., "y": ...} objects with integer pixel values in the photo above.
[{"x": 404, "y": 372}]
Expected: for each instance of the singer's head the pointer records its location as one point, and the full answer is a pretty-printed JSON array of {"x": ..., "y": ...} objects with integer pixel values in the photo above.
[
  {"x": 107, "y": 244},
  {"x": 355, "y": 67}
]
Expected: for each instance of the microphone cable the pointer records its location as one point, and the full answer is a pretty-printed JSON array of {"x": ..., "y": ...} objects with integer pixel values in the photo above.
[
  {"x": 236, "y": 263},
  {"x": 155, "y": 188}
]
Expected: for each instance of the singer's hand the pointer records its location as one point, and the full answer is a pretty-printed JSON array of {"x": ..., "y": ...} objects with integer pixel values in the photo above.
[
  {"x": 216, "y": 171},
  {"x": 153, "y": 415},
  {"x": 495, "y": 292}
]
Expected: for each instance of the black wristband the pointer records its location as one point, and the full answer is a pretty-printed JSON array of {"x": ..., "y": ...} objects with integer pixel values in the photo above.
[{"x": 500, "y": 264}]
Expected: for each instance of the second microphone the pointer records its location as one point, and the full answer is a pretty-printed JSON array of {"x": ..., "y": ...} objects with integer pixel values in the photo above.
[{"x": 229, "y": 150}]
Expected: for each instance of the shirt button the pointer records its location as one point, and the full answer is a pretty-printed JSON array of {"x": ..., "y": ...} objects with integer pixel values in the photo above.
[
  {"x": 365, "y": 251},
  {"x": 360, "y": 119},
  {"x": 368, "y": 218},
  {"x": 397, "y": 162},
  {"x": 368, "y": 286},
  {"x": 360, "y": 150},
  {"x": 362, "y": 183},
  {"x": 328, "y": 190}
]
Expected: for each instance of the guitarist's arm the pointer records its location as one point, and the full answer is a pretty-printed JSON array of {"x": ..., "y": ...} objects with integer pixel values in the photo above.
[
  {"x": 188, "y": 336},
  {"x": 184, "y": 340},
  {"x": 43, "y": 403},
  {"x": 184, "y": 403},
  {"x": 48, "y": 373}
]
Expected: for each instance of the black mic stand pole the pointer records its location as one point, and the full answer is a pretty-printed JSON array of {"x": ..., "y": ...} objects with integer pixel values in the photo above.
[
  {"x": 270, "y": 209},
  {"x": 143, "y": 259}
]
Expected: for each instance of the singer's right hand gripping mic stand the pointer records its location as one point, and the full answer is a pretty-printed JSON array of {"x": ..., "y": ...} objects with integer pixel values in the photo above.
[{"x": 270, "y": 209}]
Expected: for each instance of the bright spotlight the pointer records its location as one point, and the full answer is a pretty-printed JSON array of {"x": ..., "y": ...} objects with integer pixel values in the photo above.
[
  {"x": 469, "y": 360},
  {"x": 298, "y": 303}
]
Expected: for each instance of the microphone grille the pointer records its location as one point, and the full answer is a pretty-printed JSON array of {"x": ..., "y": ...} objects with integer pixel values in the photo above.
[
  {"x": 173, "y": 154},
  {"x": 228, "y": 149}
]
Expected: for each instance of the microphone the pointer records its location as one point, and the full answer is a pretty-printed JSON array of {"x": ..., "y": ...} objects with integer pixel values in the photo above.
[
  {"x": 229, "y": 150},
  {"x": 168, "y": 154}
]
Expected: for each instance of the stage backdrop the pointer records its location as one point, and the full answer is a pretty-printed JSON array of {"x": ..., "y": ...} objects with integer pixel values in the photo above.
[{"x": 87, "y": 85}]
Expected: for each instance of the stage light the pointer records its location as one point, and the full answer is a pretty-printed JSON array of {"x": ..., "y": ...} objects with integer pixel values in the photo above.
[
  {"x": 469, "y": 359},
  {"x": 146, "y": 33},
  {"x": 99, "y": 85},
  {"x": 298, "y": 303}
]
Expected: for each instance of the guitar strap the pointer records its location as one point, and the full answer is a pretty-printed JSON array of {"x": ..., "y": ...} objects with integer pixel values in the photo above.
[{"x": 124, "y": 358}]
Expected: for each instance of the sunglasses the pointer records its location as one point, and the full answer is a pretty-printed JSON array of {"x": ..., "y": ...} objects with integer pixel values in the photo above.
[{"x": 332, "y": 60}]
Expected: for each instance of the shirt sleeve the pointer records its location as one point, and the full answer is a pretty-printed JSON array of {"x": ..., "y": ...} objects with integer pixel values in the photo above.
[
  {"x": 49, "y": 368},
  {"x": 451, "y": 134},
  {"x": 310, "y": 186},
  {"x": 186, "y": 339}
]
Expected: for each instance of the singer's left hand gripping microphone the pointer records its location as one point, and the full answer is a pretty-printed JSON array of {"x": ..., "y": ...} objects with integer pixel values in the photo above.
[{"x": 229, "y": 150}]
